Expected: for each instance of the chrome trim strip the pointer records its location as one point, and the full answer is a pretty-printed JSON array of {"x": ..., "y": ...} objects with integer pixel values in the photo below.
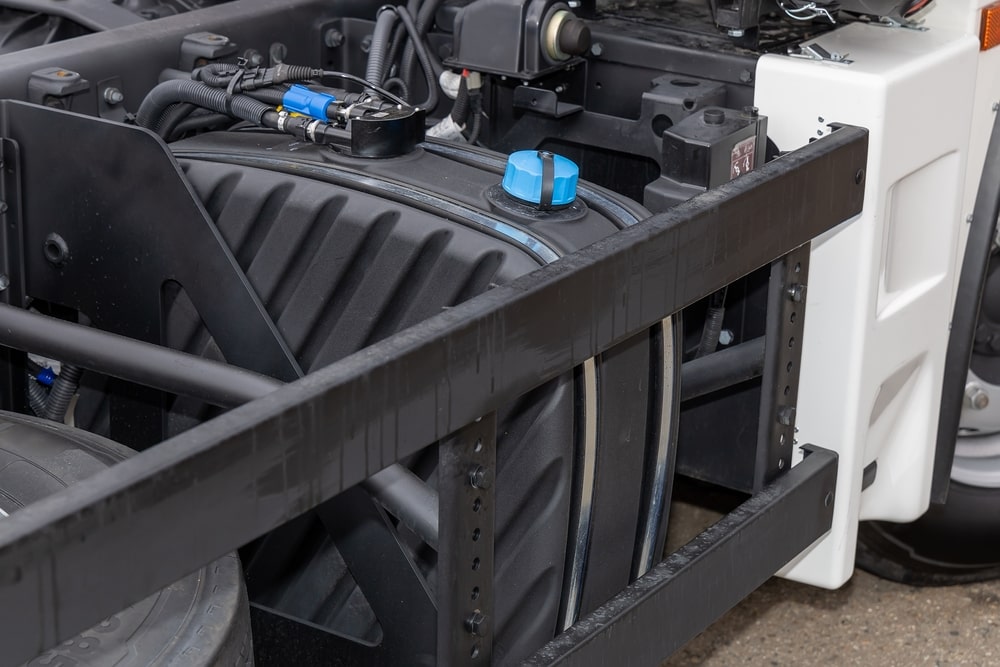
[
  {"x": 658, "y": 501},
  {"x": 579, "y": 535}
]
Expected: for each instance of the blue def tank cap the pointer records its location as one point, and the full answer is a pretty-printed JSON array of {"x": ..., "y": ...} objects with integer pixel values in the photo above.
[{"x": 541, "y": 179}]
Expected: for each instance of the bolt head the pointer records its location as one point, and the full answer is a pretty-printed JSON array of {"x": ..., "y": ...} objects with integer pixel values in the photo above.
[
  {"x": 796, "y": 292},
  {"x": 113, "y": 96},
  {"x": 977, "y": 397},
  {"x": 333, "y": 38},
  {"x": 4, "y": 282},
  {"x": 480, "y": 478}
]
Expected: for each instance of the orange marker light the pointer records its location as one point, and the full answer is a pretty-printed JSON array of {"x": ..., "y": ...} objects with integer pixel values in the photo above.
[{"x": 989, "y": 31}]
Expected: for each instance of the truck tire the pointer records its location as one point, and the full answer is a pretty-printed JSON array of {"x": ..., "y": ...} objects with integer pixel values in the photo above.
[
  {"x": 201, "y": 620},
  {"x": 954, "y": 543}
]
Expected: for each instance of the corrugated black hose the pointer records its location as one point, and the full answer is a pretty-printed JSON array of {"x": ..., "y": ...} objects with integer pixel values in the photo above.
[
  {"x": 63, "y": 389},
  {"x": 37, "y": 397},
  {"x": 160, "y": 99},
  {"x": 381, "y": 37}
]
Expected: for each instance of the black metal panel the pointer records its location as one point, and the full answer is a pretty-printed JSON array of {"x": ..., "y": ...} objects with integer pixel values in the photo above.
[
  {"x": 691, "y": 588},
  {"x": 133, "y": 529}
]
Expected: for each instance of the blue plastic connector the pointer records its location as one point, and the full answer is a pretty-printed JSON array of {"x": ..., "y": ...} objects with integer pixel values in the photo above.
[
  {"x": 300, "y": 99},
  {"x": 45, "y": 377}
]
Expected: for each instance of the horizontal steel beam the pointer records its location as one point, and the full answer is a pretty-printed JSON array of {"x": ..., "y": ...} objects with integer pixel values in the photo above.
[
  {"x": 161, "y": 514},
  {"x": 402, "y": 493},
  {"x": 722, "y": 369},
  {"x": 687, "y": 592}
]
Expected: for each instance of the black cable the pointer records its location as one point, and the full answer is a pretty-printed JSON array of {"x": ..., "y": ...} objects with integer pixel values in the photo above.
[
  {"x": 370, "y": 86},
  {"x": 424, "y": 58},
  {"x": 424, "y": 20},
  {"x": 460, "y": 109},
  {"x": 713, "y": 323},
  {"x": 398, "y": 84}
]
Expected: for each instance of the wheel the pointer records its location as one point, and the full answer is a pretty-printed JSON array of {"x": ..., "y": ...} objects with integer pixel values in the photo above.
[{"x": 199, "y": 621}]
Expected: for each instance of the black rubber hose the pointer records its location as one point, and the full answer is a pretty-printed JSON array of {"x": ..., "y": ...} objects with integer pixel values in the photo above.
[
  {"x": 172, "y": 117},
  {"x": 168, "y": 93},
  {"x": 272, "y": 96},
  {"x": 37, "y": 397},
  {"x": 424, "y": 20},
  {"x": 62, "y": 392},
  {"x": 713, "y": 324},
  {"x": 201, "y": 122},
  {"x": 381, "y": 37},
  {"x": 425, "y": 60},
  {"x": 400, "y": 86}
]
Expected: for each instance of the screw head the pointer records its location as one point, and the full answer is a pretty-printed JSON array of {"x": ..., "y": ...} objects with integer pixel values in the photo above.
[
  {"x": 796, "y": 292},
  {"x": 859, "y": 176},
  {"x": 596, "y": 49},
  {"x": 4, "y": 282},
  {"x": 366, "y": 44}
]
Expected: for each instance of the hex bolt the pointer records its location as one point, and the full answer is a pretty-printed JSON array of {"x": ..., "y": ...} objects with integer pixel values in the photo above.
[
  {"x": 596, "y": 49},
  {"x": 480, "y": 478},
  {"x": 113, "y": 96},
  {"x": 366, "y": 44},
  {"x": 977, "y": 397},
  {"x": 333, "y": 38},
  {"x": 797, "y": 292},
  {"x": 4, "y": 282},
  {"x": 476, "y": 624}
]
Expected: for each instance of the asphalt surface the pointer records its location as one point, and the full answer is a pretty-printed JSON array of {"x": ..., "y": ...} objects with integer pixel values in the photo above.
[{"x": 869, "y": 621}]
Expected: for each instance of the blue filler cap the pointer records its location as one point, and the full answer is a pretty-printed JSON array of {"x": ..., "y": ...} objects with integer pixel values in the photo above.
[
  {"x": 45, "y": 377},
  {"x": 299, "y": 99},
  {"x": 536, "y": 176}
]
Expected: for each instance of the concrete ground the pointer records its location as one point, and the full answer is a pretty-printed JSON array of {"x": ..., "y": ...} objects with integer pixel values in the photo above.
[{"x": 869, "y": 621}]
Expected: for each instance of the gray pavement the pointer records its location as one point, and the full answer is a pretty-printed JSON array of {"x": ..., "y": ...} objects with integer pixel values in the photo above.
[{"x": 869, "y": 621}]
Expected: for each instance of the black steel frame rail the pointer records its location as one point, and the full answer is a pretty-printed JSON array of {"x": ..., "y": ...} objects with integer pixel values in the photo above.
[
  {"x": 691, "y": 588},
  {"x": 153, "y": 518}
]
